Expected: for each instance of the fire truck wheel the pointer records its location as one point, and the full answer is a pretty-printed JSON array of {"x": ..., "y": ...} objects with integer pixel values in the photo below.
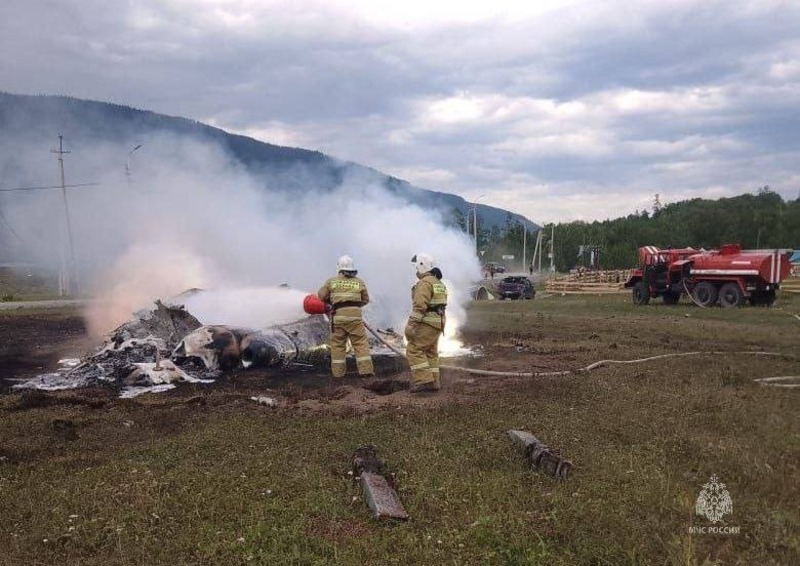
[
  {"x": 641, "y": 294},
  {"x": 705, "y": 294},
  {"x": 762, "y": 298},
  {"x": 730, "y": 295}
]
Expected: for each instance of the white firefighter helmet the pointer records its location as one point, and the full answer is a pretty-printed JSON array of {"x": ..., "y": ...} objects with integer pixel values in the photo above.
[
  {"x": 345, "y": 263},
  {"x": 424, "y": 262}
]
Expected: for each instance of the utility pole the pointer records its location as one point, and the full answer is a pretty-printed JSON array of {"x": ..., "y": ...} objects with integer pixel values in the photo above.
[
  {"x": 540, "y": 246},
  {"x": 537, "y": 250},
  {"x": 524, "y": 247},
  {"x": 475, "y": 221},
  {"x": 552, "y": 248},
  {"x": 71, "y": 271},
  {"x": 475, "y": 225},
  {"x": 128, "y": 164}
]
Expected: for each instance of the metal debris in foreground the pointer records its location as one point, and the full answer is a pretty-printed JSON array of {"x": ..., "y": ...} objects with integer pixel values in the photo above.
[
  {"x": 379, "y": 494},
  {"x": 541, "y": 457}
]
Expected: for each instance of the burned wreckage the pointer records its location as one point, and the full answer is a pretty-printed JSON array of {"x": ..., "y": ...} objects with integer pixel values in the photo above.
[{"x": 167, "y": 344}]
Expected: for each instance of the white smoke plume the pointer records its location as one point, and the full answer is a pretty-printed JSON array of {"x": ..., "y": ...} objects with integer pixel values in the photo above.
[{"x": 189, "y": 216}]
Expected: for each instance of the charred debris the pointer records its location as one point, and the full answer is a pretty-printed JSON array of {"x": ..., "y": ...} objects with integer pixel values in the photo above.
[{"x": 166, "y": 344}]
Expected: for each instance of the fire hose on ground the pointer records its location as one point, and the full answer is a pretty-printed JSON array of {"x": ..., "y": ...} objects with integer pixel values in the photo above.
[
  {"x": 601, "y": 363},
  {"x": 691, "y": 297},
  {"x": 313, "y": 305}
]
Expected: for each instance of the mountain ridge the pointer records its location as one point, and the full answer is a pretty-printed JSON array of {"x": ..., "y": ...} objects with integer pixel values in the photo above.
[{"x": 42, "y": 114}]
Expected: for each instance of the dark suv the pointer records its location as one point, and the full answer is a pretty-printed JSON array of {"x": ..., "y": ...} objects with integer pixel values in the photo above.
[
  {"x": 515, "y": 287},
  {"x": 496, "y": 267}
]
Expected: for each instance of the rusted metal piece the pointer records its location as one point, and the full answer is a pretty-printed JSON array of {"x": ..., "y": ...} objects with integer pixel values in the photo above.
[
  {"x": 541, "y": 457},
  {"x": 379, "y": 493}
]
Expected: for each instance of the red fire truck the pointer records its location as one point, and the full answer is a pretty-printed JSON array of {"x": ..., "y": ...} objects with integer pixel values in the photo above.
[{"x": 728, "y": 276}]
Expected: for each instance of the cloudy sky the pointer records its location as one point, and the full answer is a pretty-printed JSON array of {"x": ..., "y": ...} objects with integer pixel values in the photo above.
[{"x": 558, "y": 110}]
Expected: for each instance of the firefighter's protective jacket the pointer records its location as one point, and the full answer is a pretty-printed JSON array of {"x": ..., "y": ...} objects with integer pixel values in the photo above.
[
  {"x": 346, "y": 295},
  {"x": 428, "y": 301}
]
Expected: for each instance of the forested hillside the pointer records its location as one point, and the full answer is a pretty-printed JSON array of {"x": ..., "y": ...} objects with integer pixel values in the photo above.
[
  {"x": 762, "y": 220},
  {"x": 34, "y": 122}
]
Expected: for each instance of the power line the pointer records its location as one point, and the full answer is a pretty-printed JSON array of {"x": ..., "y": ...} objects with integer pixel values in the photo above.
[
  {"x": 71, "y": 271},
  {"x": 8, "y": 190},
  {"x": 4, "y": 221}
]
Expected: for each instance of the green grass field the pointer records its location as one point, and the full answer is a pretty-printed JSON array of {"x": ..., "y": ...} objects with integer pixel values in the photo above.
[
  {"x": 26, "y": 286},
  {"x": 210, "y": 478}
]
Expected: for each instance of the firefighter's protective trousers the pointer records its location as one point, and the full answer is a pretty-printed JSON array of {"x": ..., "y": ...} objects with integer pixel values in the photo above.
[
  {"x": 422, "y": 352},
  {"x": 354, "y": 330},
  {"x": 425, "y": 325}
]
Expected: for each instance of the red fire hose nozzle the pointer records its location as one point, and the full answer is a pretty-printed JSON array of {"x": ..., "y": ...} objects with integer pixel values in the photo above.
[{"x": 313, "y": 305}]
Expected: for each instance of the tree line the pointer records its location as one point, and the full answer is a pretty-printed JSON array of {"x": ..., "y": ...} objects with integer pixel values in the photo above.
[{"x": 761, "y": 220}]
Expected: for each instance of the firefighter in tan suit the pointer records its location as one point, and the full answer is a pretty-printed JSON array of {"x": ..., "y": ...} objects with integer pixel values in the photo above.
[
  {"x": 346, "y": 294},
  {"x": 425, "y": 325}
]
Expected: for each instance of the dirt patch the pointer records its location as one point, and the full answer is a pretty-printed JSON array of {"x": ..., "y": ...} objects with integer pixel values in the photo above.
[
  {"x": 92, "y": 398},
  {"x": 33, "y": 343},
  {"x": 386, "y": 386},
  {"x": 48, "y": 337}
]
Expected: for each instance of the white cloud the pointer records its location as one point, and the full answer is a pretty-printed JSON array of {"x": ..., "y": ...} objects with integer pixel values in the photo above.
[
  {"x": 424, "y": 13},
  {"x": 426, "y": 176},
  {"x": 786, "y": 71},
  {"x": 677, "y": 102},
  {"x": 697, "y": 146},
  {"x": 456, "y": 109},
  {"x": 583, "y": 143},
  {"x": 276, "y": 133}
]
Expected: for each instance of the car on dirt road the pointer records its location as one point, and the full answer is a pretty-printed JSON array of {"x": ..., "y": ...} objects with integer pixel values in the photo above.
[
  {"x": 515, "y": 287},
  {"x": 495, "y": 267}
]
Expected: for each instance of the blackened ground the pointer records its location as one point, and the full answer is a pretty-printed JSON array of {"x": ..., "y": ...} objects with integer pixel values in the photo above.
[{"x": 33, "y": 342}]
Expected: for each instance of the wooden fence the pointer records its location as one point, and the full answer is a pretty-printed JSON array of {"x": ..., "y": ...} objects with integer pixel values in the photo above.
[
  {"x": 791, "y": 284},
  {"x": 589, "y": 283}
]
